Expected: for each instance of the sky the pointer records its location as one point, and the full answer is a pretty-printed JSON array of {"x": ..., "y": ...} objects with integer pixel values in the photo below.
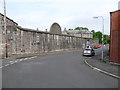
[{"x": 68, "y": 14}]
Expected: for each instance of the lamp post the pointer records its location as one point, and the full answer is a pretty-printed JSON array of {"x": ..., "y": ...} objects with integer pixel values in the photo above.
[{"x": 97, "y": 17}]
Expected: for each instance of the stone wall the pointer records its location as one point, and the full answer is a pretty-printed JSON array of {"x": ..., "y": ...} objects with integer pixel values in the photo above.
[
  {"x": 10, "y": 25},
  {"x": 23, "y": 41},
  {"x": 26, "y": 42}
]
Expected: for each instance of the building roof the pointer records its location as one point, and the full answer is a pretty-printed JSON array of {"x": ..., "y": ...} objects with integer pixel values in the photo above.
[
  {"x": 115, "y": 11},
  {"x": 77, "y": 32}
]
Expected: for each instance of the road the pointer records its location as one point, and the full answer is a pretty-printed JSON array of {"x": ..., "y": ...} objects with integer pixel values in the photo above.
[{"x": 66, "y": 70}]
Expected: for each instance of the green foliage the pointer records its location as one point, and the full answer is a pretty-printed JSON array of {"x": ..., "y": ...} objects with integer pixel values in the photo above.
[
  {"x": 98, "y": 35},
  {"x": 93, "y": 31},
  {"x": 80, "y": 28},
  {"x": 106, "y": 39},
  {"x": 70, "y": 29}
]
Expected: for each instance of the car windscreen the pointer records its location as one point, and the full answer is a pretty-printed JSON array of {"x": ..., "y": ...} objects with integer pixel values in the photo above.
[{"x": 87, "y": 49}]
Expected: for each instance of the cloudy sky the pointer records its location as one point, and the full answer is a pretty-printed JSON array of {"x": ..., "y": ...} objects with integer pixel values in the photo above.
[{"x": 68, "y": 13}]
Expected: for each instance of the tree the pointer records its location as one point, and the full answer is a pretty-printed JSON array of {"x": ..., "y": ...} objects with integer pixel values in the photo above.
[
  {"x": 98, "y": 35},
  {"x": 81, "y": 28},
  {"x": 70, "y": 29},
  {"x": 93, "y": 32},
  {"x": 86, "y": 28},
  {"x": 106, "y": 39},
  {"x": 78, "y": 28}
]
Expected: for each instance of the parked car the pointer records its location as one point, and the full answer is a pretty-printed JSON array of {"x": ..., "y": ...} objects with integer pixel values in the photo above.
[
  {"x": 89, "y": 47},
  {"x": 88, "y": 52},
  {"x": 97, "y": 46}
]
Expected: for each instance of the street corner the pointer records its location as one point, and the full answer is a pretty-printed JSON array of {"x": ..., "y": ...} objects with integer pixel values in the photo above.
[{"x": 101, "y": 70}]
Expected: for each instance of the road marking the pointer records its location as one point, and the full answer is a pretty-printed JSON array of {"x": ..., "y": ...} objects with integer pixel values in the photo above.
[
  {"x": 7, "y": 65},
  {"x": 107, "y": 73},
  {"x": 97, "y": 69},
  {"x": 31, "y": 57},
  {"x": 21, "y": 60},
  {"x": 25, "y": 59},
  {"x": 16, "y": 61},
  {"x": 1, "y": 67},
  {"x": 12, "y": 62}
]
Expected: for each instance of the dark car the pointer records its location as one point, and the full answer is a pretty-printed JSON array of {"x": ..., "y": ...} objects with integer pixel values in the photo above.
[{"x": 88, "y": 52}]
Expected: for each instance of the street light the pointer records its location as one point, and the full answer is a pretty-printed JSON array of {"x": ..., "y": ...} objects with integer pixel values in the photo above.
[{"x": 97, "y": 17}]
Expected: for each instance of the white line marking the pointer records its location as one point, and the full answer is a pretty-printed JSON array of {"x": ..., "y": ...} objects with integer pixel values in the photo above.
[
  {"x": 1, "y": 67},
  {"x": 12, "y": 62},
  {"x": 31, "y": 57},
  {"x": 110, "y": 74},
  {"x": 16, "y": 61},
  {"x": 97, "y": 69},
  {"x": 7, "y": 65},
  {"x": 25, "y": 59},
  {"x": 21, "y": 60}
]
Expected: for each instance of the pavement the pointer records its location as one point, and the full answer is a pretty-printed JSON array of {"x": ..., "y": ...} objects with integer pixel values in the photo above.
[{"x": 105, "y": 66}]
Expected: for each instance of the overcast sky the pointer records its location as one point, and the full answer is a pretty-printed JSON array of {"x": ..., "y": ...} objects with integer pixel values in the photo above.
[{"x": 68, "y": 13}]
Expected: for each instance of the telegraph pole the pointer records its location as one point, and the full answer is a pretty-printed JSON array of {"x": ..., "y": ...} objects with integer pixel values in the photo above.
[{"x": 5, "y": 29}]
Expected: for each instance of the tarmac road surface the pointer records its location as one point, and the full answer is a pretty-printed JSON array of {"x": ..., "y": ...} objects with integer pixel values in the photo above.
[{"x": 66, "y": 70}]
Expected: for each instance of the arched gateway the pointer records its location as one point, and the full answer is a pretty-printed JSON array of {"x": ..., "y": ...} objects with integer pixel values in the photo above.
[{"x": 55, "y": 28}]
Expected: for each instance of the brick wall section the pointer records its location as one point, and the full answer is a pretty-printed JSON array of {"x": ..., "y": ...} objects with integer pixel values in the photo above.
[{"x": 115, "y": 37}]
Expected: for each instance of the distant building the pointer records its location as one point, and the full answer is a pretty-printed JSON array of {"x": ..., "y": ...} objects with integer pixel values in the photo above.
[
  {"x": 115, "y": 36},
  {"x": 79, "y": 33}
]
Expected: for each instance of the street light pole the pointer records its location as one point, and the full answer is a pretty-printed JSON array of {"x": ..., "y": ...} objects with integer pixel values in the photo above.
[
  {"x": 102, "y": 55},
  {"x": 102, "y": 38},
  {"x": 5, "y": 29}
]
